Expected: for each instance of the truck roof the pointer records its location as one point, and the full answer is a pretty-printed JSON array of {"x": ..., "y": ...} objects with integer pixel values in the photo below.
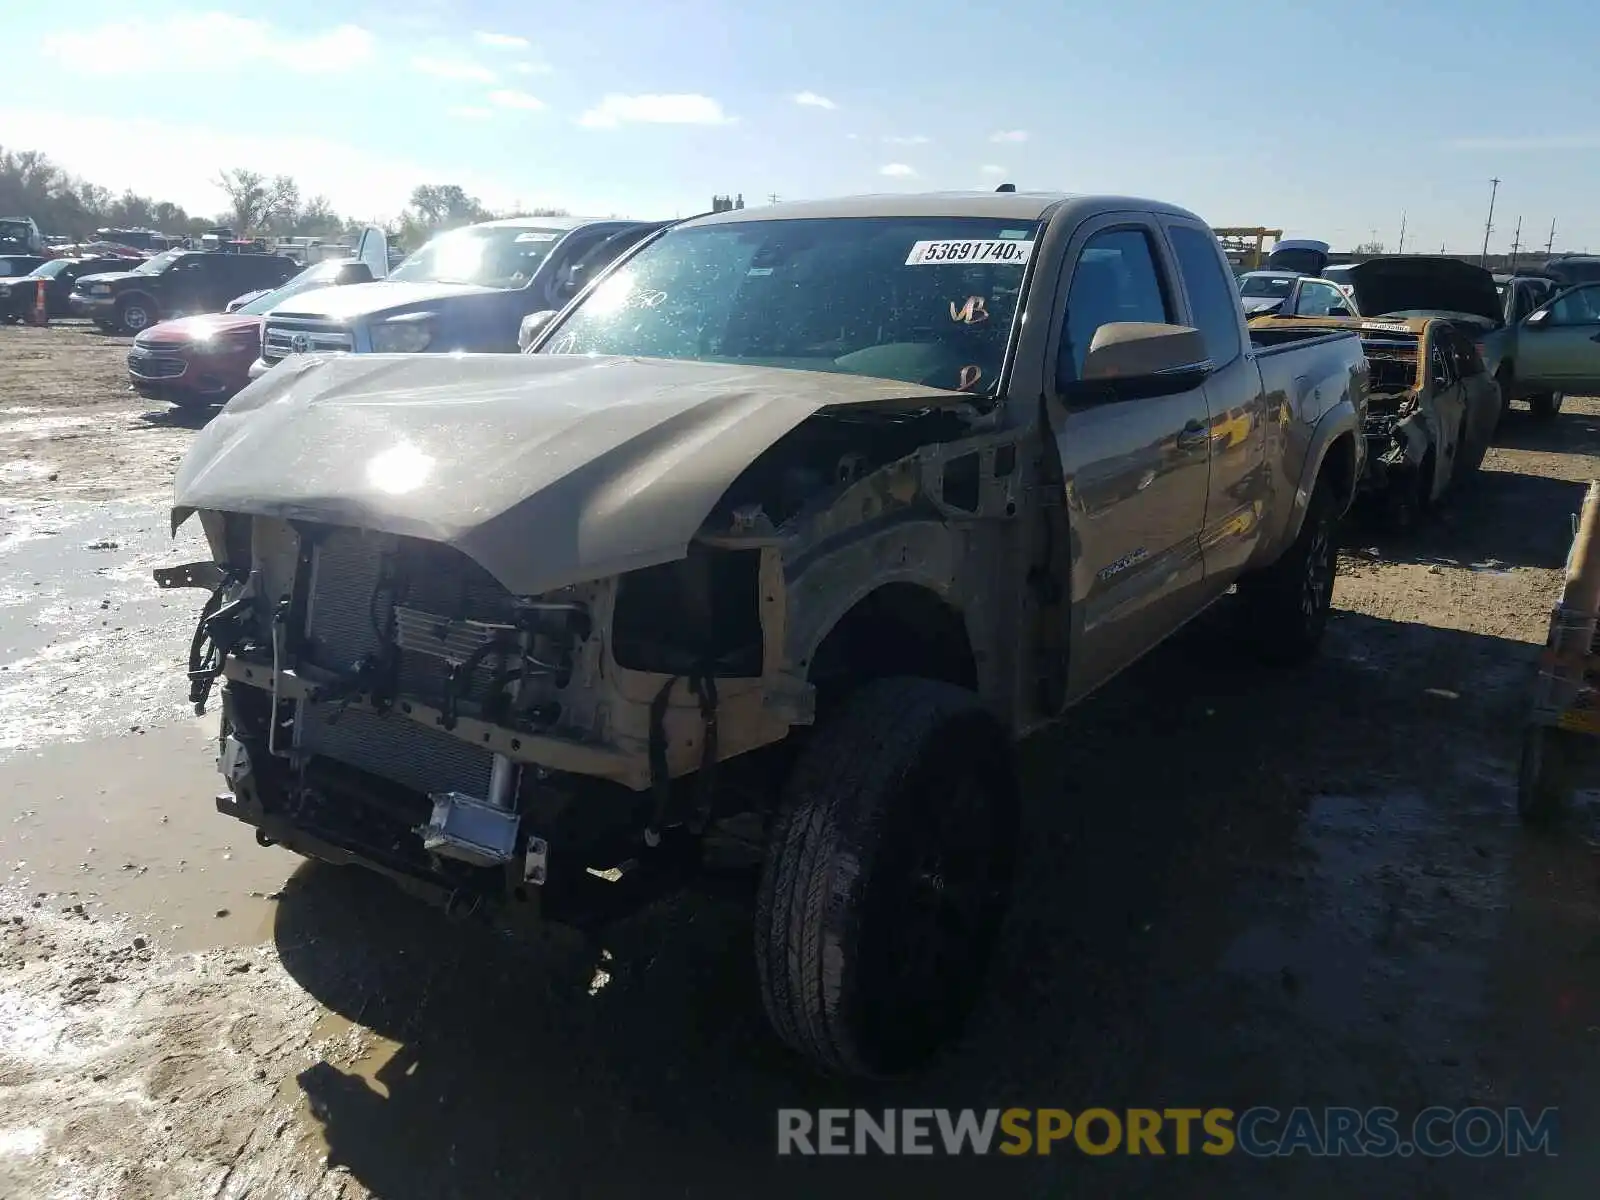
[
  {"x": 1018, "y": 206},
  {"x": 542, "y": 222}
]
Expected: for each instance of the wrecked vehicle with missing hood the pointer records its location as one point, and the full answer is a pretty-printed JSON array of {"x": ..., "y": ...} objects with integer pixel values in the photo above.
[
  {"x": 804, "y": 515},
  {"x": 1432, "y": 407}
]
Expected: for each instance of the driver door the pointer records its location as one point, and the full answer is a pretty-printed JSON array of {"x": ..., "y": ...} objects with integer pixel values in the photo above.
[
  {"x": 1558, "y": 347},
  {"x": 1136, "y": 471}
]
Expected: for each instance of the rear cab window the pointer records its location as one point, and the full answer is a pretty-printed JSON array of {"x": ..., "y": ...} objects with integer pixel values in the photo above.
[{"x": 1211, "y": 297}]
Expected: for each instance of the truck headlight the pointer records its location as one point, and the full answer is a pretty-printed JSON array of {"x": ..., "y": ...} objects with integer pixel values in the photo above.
[{"x": 403, "y": 335}]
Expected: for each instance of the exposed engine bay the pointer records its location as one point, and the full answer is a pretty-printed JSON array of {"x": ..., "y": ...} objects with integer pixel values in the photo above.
[
  {"x": 387, "y": 700},
  {"x": 1400, "y": 430}
]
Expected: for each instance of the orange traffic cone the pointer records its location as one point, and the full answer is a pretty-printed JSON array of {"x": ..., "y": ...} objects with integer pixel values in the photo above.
[{"x": 40, "y": 315}]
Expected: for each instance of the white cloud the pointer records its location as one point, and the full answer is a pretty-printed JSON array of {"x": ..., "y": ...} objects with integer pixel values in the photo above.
[
  {"x": 916, "y": 139},
  {"x": 114, "y": 151},
  {"x": 812, "y": 100},
  {"x": 459, "y": 69},
  {"x": 898, "y": 171},
  {"x": 501, "y": 41},
  {"x": 991, "y": 169},
  {"x": 670, "y": 109},
  {"x": 211, "y": 43},
  {"x": 470, "y": 112},
  {"x": 511, "y": 98},
  {"x": 530, "y": 68},
  {"x": 1009, "y": 135}
]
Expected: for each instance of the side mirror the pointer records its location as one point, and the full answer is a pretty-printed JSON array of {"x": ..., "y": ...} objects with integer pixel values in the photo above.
[
  {"x": 356, "y": 272},
  {"x": 1338, "y": 310},
  {"x": 1129, "y": 360},
  {"x": 532, "y": 325}
]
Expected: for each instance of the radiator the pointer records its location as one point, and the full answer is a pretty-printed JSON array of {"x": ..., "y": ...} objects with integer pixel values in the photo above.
[{"x": 346, "y": 611}]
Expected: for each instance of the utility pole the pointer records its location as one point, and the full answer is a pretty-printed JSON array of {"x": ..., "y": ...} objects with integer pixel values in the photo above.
[
  {"x": 1550, "y": 246},
  {"x": 1401, "y": 248},
  {"x": 1488, "y": 226},
  {"x": 1516, "y": 245},
  {"x": 772, "y": 197}
]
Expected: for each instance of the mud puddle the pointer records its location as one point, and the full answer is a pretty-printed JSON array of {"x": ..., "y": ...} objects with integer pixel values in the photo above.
[{"x": 89, "y": 646}]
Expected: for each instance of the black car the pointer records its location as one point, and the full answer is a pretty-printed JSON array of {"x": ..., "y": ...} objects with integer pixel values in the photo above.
[
  {"x": 175, "y": 283},
  {"x": 17, "y": 294}
]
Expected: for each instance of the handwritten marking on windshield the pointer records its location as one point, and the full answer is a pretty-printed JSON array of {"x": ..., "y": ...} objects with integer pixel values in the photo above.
[
  {"x": 974, "y": 312},
  {"x": 970, "y": 374}
]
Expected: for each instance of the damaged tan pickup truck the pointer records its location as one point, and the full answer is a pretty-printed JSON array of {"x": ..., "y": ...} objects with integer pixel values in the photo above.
[{"x": 803, "y": 514}]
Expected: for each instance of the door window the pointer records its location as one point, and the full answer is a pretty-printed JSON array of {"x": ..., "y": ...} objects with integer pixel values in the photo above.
[
  {"x": 1581, "y": 306},
  {"x": 1318, "y": 300},
  {"x": 1116, "y": 279}
]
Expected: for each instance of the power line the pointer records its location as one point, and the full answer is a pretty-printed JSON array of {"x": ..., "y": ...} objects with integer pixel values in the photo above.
[{"x": 1488, "y": 226}]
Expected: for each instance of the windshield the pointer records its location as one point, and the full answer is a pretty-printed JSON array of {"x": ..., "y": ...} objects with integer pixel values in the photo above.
[
  {"x": 1266, "y": 285},
  {"x": 158, "y": 264},
  {"x": 925, "y": 300},
  {"x": 497, "y": 256},
  {"x": 323, "y": 274},
  {"x": 50, "y": 269}
]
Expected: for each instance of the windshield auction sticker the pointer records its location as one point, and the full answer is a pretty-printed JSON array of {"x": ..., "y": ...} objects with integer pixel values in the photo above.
[{"x": 970, "y": 250}]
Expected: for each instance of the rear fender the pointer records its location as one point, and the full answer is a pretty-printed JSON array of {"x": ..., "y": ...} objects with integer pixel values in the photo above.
[{"x": 1345, "y": 472}]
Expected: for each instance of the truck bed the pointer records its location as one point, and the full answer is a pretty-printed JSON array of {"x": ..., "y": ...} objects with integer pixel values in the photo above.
[{"x": 1276, "y": 339}]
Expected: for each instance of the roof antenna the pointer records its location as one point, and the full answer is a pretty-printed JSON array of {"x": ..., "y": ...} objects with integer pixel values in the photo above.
[{"x": 1006, "y": 187}]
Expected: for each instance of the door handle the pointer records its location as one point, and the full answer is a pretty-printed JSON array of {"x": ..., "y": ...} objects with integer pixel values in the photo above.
[{"x": 1193, "y": 436}]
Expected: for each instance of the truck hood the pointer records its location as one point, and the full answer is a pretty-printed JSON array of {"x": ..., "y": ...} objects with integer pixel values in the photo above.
[
  {"x": 359, "y": 299},
  {"x": 547, "y": 470},
  {"x": 1424, "y": 285},
  {"x": 108, "y": 277}
]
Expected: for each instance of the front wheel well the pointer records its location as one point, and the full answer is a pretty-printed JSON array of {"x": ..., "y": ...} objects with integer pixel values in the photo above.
[{"x": 901, "y": 629}]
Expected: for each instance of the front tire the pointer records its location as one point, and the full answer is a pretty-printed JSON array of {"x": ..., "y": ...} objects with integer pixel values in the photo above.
[
  {"x": 887, "y": 871},
  {"x": 135, "y": 314},
  {"x": 1287, "y": 604},
  {"x": 1545, "y": 406},
  {"x": 1545, "y": 776}
]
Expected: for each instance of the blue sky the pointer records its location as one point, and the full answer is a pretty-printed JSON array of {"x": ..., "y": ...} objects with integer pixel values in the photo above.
[{"x": 1327, "y": 120}]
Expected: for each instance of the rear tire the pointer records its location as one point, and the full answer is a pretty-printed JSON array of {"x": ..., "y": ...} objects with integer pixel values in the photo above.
[
  {"x": 1545, "y": 406},
  {"x": 887, "y": 871},
  {"x": 1287, "y": 604}
]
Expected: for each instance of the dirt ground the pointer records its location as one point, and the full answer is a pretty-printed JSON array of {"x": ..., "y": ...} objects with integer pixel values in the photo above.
[{"x": 1240, "y": 887}]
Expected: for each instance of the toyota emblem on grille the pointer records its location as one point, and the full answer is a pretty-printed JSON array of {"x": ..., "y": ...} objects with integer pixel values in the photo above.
[{"x": 300, "y": 343}]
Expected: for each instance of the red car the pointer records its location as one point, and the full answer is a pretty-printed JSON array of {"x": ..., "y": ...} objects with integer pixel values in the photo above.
[
  {"x": 203, "y": 360},
  {"x": 195, "y": 361}
]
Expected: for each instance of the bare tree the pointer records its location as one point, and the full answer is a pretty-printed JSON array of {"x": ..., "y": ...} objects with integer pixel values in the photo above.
[
  {"x": 1369, "y": 248},
  {"x": 249, "y": 195}
]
